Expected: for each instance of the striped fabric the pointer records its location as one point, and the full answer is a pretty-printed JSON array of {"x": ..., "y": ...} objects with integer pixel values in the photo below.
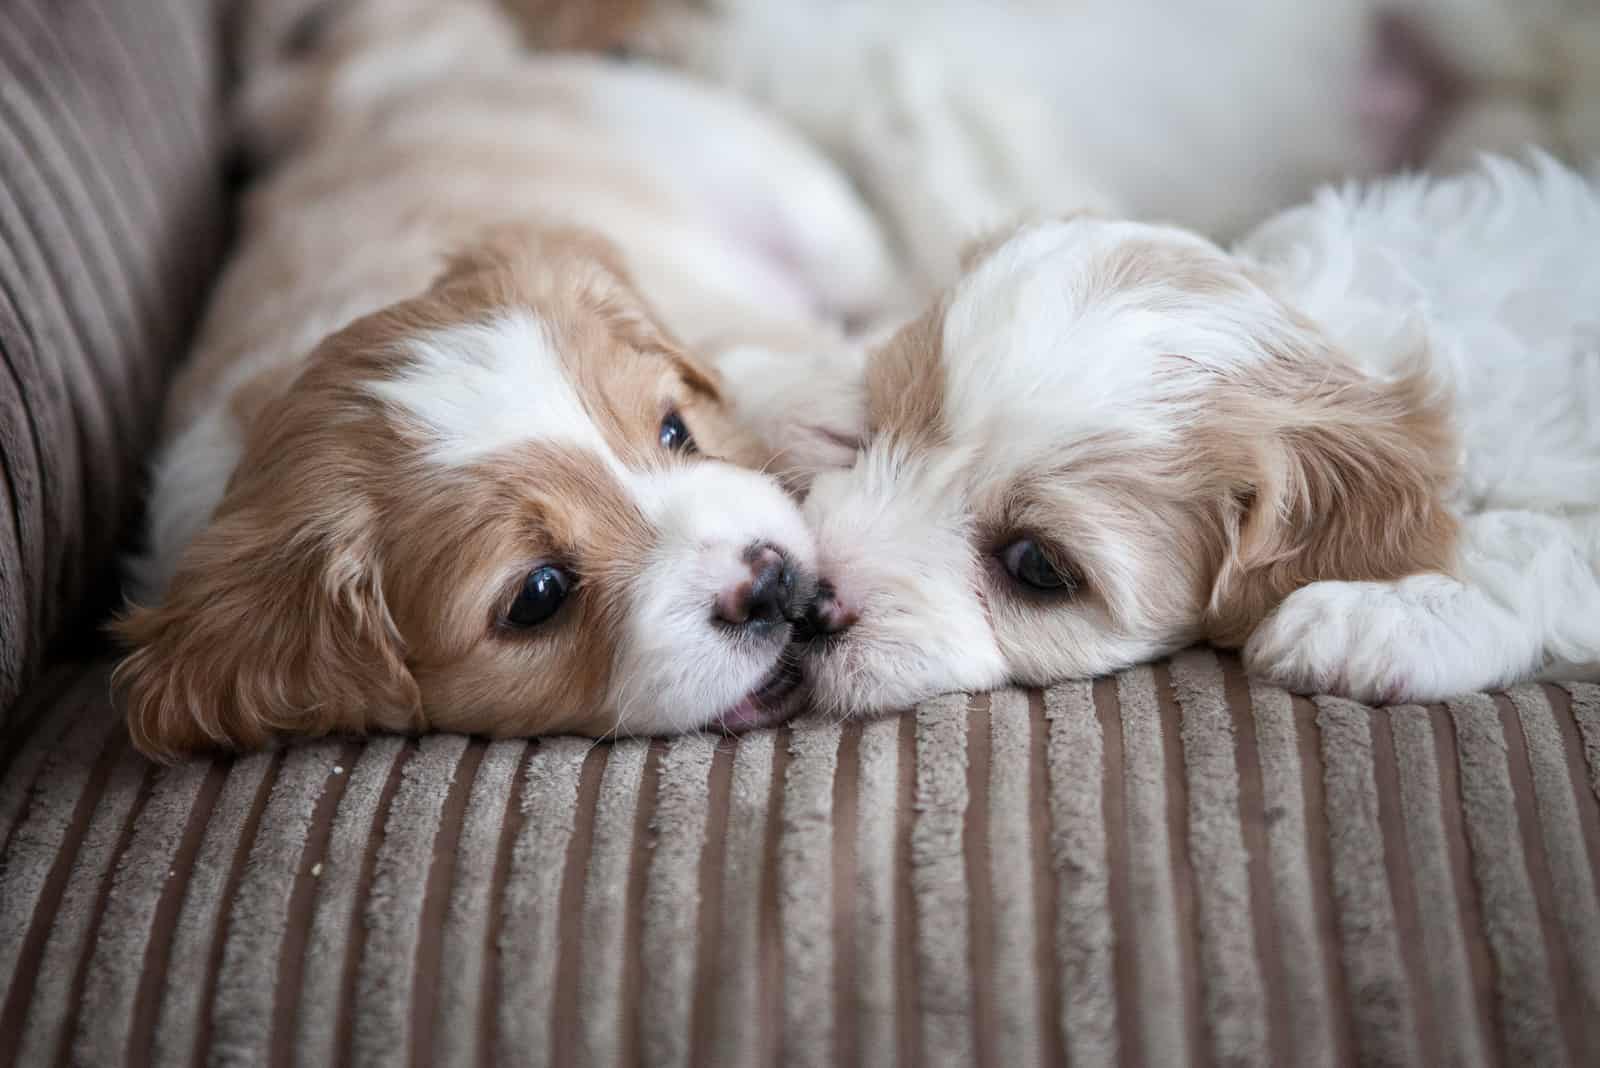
[
  {"x": 110, "y": 219},
  {"x": 1170, "y": 866}
]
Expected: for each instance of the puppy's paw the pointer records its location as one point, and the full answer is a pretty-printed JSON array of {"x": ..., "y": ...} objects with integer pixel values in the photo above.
[{"x": 1375, "y": 642}]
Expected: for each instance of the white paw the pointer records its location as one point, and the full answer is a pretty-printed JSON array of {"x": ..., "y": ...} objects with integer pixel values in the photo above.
[{"x": 1379, "y": 643}]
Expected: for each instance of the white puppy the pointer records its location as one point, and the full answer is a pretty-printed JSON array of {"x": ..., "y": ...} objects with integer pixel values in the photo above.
[{"x": 1364, "y": 446}]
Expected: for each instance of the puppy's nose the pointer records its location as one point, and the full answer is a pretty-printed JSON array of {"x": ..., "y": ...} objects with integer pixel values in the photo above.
[
  {"x": 828, "y": 614},
  {"x": 762, "y": 596}
]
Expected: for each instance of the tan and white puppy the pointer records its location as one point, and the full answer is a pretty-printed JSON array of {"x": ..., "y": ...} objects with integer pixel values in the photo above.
[
  {"x": 1363, "y": 446},
  {"x": 444, "y": 456}
]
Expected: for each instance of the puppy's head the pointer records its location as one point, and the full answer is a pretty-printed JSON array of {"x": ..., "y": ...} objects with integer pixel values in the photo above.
[
  {"x": 493, "y": 508},
  {"x": 1107, "y": 441}
]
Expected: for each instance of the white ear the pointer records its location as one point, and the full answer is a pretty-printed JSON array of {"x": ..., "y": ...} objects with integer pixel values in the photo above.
[{"x": 804, "y": 399}]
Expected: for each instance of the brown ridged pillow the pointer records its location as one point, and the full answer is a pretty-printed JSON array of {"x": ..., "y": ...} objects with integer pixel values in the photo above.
[{"x": 111, "y": 207}]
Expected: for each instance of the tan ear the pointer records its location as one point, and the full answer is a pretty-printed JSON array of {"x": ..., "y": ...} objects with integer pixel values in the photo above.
[
  {"x": 1343, "y": 477},
  {"x": 260, "y": 636}
]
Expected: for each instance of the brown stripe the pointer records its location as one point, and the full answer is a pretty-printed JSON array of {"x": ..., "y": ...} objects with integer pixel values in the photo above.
[
  {"x": 530, "y": 941},
  {"x": 302, "y": 904},
  {"x": 569, "y": 960},
  {"x": 1584, "y": 796},
  {"x": 164, "y": 923},
  {"x": 1253, "y": 824},
  {"x": 1561, "y": 967},
  {"x": 1302, "y": 952},
  {"x": 1472, "y": 928},
  {"x": 1125, "y": 994},
  {"x": 805, "y": 869},
  {"x": 488, "y": 1018},
  {"x": 1380, "y": 996},
  {"x": 1580, "y": 726},
  {"x": 876, "y": 919},
  {"x": 846, "y": 782},
  {"x": 1447, "y": 988},
  {"x": 356, "y": 940},
  {"x": 938, "y": 882},
  {"x": 465, "y": 948},
  {"x": 1011, "y": 881},
  {"x": 224, "y": 912},
  {"x": 907, "y": 1002},
  {"x": 1078, "y": 853},
  {"x": 58, "y": 984},
  {"x": 709, "y": 929},
  {"x": 436, "y": 901},
  {"x": 330, "y": 958},
  {"x": 39, "y": 857},
  {"x": 242, "y": 1009},
  {"x": 1052, "y": 1043},
  {"x": 1572, "y": 888},
  {"x": 614, "y": 845},
  {"x": 631, "y": 1022},
  {"x": 1320, "y": 862},
  {"x": 32, "y": 737},
  {"x": 980, "y": 904},
  {"x": 1510, "y": 911},
  {"x": 1402, "y": 884},
  {"x": 743, "y": 1011},
  {"x": 1234, "y": 1003},
  {"x": 671, "y": 902}
]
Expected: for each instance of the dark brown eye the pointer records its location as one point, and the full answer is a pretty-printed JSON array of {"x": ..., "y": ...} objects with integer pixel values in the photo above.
[
  {"x": 540, "y": 598},
  {"x": 1031, "y": 566},
  {"x": 674, "y": 436}
]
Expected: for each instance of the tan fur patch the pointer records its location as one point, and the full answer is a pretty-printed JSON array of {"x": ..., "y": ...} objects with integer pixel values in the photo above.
[{"x": 905, "y": 381}]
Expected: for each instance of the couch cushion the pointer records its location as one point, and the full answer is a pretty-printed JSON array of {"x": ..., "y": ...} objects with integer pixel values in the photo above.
[
  {"x": 110, "y": 205},
  {"x": 1165, "y": 867}
]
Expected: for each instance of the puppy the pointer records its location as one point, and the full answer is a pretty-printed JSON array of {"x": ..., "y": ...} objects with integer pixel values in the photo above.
[
  {"x": 441, "y": 459},
  {"x": 1364, "y": 446}
]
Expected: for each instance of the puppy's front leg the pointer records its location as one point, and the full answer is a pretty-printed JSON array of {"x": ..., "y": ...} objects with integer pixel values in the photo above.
[{"x": 1527, "y": 600}]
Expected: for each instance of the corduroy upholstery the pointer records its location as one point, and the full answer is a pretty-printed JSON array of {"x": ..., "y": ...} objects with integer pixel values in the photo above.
[
  {"x": 110, "y": 208},
  {"x": 1170, "y": 866}
]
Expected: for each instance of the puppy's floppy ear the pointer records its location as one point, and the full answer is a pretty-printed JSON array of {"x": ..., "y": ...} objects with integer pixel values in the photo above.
[
  {"x": 260, "y": 635},
  {"x": 1340, "y": 476}
]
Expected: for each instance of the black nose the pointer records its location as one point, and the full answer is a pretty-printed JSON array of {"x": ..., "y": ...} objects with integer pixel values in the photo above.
[
  {"x": 826, "y": 615},
  {"x": 764, "y": 596}
]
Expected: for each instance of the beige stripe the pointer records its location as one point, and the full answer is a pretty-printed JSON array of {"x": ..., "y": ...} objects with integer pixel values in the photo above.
[
  {"x": 1444, "y": 954},
  {"x": 1289, "y": 866},
  {"x": 466, "y": 932},
  {"x": 387, "y": 971},
  {"x": 939, "y": 882},
  {"x": 1076, "y": 757},
  {"x": 875, "y": 888},
  {"x": 242, "y": 1008},
  {"x": 531, "y": 914},
  {"x": 186, "y": 991},
  {"x": 605, "y": 902},
  {"x": 322, "y": 984},
  {"x": 37, "y": 840},
  {"x": 1163, "y": 1027},
  {"x": 53, "y": 983},
  {"x": 738, "y": 957},
  {"x": 1235, "y": 1003},
  {"x": 672, "y": 900},
  {"x": 1586, "y": 710},
  {"x": 1011, "y": 876},
  {"x": 805, "y": 893},
  {"x": 1510, "y": 915},
  {"x": 1572, "y": 882},
  {"x": 105, "y": 1021},
  {"x": 1381, "y": 1001}
]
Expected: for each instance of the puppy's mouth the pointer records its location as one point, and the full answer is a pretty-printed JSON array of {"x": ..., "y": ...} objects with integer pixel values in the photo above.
[{"x": 775, "y": 699}]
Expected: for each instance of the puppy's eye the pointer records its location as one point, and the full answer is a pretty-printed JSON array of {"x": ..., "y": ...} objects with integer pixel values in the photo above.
[
  {"x": 1029, "y": 565},
  {"x": 540, "y": 597},
  {"x": 674, "y": 436}
]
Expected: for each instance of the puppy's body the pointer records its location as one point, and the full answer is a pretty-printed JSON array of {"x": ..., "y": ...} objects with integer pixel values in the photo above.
[
  {"x": 1364, "y": 447},
  {"x": 365, "y": 457}
]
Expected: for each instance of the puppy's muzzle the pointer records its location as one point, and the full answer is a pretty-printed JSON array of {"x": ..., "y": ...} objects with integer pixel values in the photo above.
[{"x": 769, "y": 595}]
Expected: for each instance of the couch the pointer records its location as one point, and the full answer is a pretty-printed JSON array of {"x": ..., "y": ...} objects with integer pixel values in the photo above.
[{"x": 1174, "y": 865}]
